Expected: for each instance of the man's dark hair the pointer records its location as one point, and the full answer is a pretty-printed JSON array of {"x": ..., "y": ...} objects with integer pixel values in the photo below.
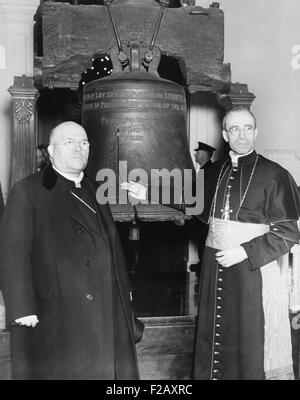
[{"x": 237, "y": 109}]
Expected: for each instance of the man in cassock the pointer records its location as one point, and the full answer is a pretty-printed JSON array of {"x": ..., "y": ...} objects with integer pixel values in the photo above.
[
  {"x": 63, "y": 274},
  {"x": 243, "y": 329}
]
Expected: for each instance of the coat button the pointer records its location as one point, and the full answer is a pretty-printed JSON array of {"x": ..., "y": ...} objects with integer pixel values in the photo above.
[{"x": 89, "y": 297}]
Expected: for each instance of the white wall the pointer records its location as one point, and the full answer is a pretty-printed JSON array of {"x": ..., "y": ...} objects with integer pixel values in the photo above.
[
  {"x": 4, "y": 108},
  {"x": 259, "y": 38}
]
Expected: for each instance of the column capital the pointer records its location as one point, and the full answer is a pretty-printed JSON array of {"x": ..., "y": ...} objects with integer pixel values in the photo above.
[
  {"x": 23, "y": 86},
  {"x": 238, "y": 96},
  {"x": 19, "y": 10}
]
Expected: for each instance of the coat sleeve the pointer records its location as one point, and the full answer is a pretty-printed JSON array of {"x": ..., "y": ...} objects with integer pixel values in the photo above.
[
  {"x": 283, "y": 212},
  {"x": 16, "y": 240},
  {"x": 272, "y": 245}
]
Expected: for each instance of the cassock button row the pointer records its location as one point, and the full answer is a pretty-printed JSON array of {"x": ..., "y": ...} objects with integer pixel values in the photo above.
[
  {"x": 218, "y": 325},
  {"x": 215, "y": 379},
  {"x": 220, "y": 279},
  {"x": 220, "y": 289},
  {"x": 89, "y": 297},
  {"x": 219, "y": 307},
  {"x": 216, "y": 353},
  {"x": 216, "y": 362},
  {"x": 219, "y": 298}
]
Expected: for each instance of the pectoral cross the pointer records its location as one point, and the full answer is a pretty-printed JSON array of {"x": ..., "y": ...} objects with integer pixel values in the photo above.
[{"x": 226, "y": 211}]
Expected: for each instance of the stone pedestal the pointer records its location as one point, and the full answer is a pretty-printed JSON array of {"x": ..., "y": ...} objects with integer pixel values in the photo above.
[{"x": 166, "y": 350}]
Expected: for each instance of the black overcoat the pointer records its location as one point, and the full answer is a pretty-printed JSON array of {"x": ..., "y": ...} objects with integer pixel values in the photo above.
[{"x": 70, "y": 273}]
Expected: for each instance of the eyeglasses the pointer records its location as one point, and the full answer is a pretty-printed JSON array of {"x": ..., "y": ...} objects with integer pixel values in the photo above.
[
  {"x": 71, "y": 144},
  {"x": 236, "y": 130}
]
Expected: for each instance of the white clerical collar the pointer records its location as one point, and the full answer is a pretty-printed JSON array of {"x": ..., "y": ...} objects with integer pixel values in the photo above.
[
  {"x": 70, "y": 177},
  {"x": 235, "y": 157}
]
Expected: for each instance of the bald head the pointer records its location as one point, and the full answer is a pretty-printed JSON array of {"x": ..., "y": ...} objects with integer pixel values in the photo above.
[
  {"x": 64, "y": 128},
  {"x": 69, "y": 148}
]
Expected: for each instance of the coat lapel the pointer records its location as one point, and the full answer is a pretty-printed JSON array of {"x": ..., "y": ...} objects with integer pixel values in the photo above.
[
  {"x": 61, "y": 197},
  {"x": 119, "y": 263}
]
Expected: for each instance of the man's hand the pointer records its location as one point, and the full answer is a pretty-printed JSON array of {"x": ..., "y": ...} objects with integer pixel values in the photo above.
[
  {"x": 30, "y": 320},
  {"x": 229, "y": 257},
  {"x": 135, "y": 190}
]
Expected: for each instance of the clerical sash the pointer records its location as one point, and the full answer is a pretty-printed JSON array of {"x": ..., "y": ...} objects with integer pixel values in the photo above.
[{"x": 224, "y": 234}]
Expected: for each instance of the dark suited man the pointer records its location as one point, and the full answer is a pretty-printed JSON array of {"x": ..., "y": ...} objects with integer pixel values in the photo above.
[
  {"x": 63, "y": 275},
  {"x": 203, "y": 154}
]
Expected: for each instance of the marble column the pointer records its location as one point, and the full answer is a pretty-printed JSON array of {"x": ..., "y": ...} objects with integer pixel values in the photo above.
[
  {"x": 16, "y": 59},
  {"x": 24, "y": 140}
]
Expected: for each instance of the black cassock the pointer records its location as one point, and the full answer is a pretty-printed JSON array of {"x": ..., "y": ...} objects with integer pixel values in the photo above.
[
  {"x": 61, "y": 258},
  {"x": 243, "y": 329}
]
